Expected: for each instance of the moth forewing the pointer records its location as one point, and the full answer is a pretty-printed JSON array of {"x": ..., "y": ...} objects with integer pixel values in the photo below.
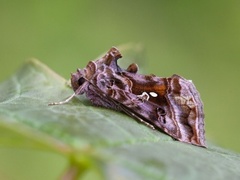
[{"x": 171, "y": 105}]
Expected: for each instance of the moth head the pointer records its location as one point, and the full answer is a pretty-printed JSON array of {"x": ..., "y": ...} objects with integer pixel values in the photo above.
[{"x": 77, "y": 79}]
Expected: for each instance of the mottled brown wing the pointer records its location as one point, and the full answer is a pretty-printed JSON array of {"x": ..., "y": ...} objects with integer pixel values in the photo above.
[{"x": 170, "y": 104}]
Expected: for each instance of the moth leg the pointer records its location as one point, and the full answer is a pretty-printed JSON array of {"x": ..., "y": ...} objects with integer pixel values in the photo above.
[
  {"x": 144, "y": 122},
  {"x": 80, "y": 90},
  {"x": 62, "y": 102}
]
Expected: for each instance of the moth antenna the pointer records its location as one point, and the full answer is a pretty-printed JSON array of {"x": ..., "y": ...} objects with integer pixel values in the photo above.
[{"x": 62, "y": 102}]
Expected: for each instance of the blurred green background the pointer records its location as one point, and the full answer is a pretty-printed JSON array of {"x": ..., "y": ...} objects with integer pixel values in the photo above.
[{"x": 199, "y": 40}]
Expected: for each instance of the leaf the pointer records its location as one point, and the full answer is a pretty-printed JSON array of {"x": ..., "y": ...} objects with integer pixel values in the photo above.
[{"x": 100, "y": 143}]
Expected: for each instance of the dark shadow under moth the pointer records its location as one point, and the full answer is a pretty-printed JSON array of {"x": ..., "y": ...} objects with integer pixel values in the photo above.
[{"x": 171, "y": 105}]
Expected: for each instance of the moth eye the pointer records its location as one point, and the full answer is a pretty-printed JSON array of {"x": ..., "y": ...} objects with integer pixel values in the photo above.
[{"x": 81, "y": 80}]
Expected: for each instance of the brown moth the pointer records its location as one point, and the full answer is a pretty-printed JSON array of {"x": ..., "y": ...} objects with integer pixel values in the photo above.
[{"x": 172, "y": 105}]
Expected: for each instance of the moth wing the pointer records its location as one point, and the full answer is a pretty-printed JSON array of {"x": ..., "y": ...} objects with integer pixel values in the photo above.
[
  {"x": 145, "y": 112},
  {"x": 114, "y": 91}
]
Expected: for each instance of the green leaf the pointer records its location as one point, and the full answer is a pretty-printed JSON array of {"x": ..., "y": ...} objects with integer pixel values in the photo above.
[{"x": 100, "y": 143}]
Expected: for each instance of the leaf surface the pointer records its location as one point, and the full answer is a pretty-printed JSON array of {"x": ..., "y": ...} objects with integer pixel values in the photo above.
[{"x": 97, "y": 139}]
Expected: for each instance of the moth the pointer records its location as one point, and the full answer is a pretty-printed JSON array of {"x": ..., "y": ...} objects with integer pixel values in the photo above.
[{"x": 171, "y": 105}]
